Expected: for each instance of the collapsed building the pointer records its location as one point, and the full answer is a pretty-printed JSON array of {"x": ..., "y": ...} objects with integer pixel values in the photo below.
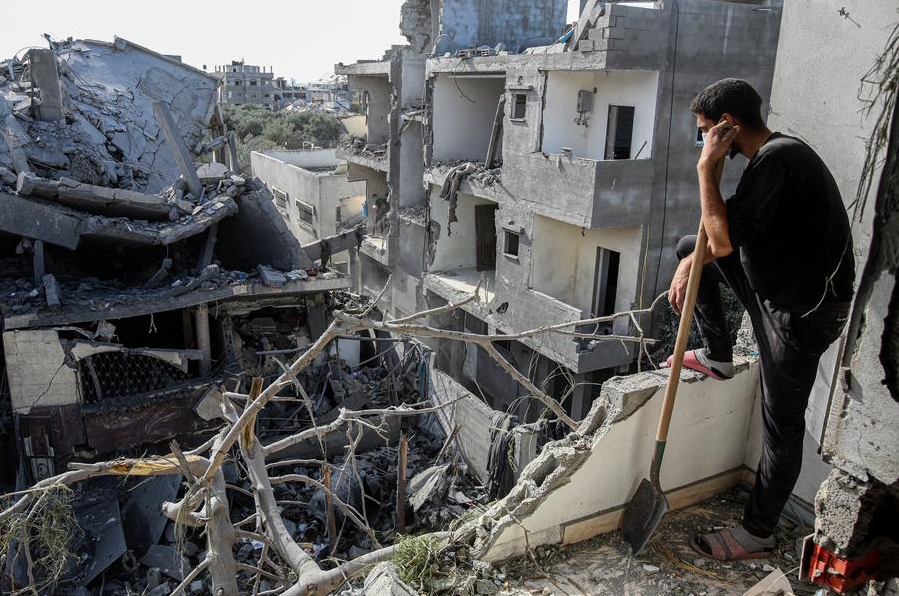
[
  {"x": 567, "y": 490},
  {"x": 133, "y": 285}
]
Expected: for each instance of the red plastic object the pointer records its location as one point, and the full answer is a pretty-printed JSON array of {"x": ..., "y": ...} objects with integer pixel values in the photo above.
[{"x": 839, "y": 574}]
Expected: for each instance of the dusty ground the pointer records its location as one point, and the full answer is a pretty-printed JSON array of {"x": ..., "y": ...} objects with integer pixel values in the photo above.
[{"x": 667, "y": 566}]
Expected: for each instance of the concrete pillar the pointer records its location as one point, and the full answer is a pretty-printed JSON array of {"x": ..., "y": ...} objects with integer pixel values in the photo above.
[
  {"x": 176, "y": 144},
  {"x": 201, "y": 323},
  {"x": 580, "y": 400},
  {"x": 45, "y": 76}
]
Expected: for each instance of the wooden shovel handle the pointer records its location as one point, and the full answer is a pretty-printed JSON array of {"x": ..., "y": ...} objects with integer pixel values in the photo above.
[
  {"x": 683, "y": 333},
  {"x": 683, "y": 329}
]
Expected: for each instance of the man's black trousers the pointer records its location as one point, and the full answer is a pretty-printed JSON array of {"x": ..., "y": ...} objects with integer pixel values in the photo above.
[{"x": 790, "y": 345}]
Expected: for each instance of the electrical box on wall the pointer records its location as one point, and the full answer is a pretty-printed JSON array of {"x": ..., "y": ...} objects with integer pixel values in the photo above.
[{"x": 584, "y": 101}]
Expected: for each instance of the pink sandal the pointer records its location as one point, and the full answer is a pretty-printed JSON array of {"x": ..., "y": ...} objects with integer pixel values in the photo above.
[
  {"x": 722, "y": 546},
  {"x": 693, "y": 363}
]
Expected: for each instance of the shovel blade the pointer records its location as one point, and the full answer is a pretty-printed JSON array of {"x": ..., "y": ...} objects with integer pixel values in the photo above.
[{"x": 643, "y": 514}]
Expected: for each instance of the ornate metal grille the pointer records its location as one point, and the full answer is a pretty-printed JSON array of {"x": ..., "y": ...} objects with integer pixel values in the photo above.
[{"x": 116, "y": 374}]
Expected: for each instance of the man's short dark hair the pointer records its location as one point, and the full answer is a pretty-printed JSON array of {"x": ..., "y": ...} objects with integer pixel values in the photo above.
[{"x": 733, "y": 96}]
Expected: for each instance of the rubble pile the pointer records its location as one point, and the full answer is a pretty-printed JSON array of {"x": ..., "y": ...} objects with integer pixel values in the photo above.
[
  {"x": 106, "y": 133},
  {"x": 480, "y": 174},
  {"x": 140, "y": 299},
  {"x": 359, "y": 146},
  {"x": 126, "y": 547}
]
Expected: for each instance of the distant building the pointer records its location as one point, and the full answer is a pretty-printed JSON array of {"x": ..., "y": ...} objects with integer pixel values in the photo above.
[
  {"x": 285, "y": 93},
  {"x": 245, "y": 83},
  {"x": 311, "y": 190}
]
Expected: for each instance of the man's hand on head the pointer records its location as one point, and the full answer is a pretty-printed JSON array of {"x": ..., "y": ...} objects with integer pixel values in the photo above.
[{"x": 717, "y": 143}]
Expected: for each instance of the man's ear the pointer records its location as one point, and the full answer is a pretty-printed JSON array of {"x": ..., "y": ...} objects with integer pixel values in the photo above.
[{"x": 726, "y": 117}]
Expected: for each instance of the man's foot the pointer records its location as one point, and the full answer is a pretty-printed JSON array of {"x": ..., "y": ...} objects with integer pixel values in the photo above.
[
  {"x": 698, "y": 361},
  {"x": 730, "y": 545}
]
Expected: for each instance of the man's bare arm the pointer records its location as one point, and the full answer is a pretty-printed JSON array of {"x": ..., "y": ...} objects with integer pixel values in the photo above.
[{"x": 714, "y": 212}]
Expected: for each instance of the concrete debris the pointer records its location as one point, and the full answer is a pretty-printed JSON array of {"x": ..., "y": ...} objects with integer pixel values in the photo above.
[
  {"x": 103, "y": 94},
  {"x": 135, "y": 291},
  {"x": 102, "y": 524},
  {"x": 450, "y": 190},
  {"x": 429, "y": 486},
  {"x": 358, "y": 146},
  {"x": 774, "y": 584},
  {"x": 114, "y": 202},
  {"x": 384, "y": 580}
]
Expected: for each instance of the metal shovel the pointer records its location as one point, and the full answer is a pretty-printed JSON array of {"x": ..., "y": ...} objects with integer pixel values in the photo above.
[{"x": 645, "y": 510}]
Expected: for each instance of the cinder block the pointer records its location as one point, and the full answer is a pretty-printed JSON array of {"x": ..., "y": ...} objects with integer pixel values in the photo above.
[
  {"x": 585, "y": 45},
  {"x": 613, "y": 33}
]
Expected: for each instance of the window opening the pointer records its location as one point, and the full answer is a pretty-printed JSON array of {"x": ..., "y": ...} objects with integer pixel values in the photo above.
[
  {"x": 606, "y": 288},
  {"x": 619, "y": 132},
  {"x": 519, "y": 106},
  {"x": 280, "y": 197},
  {"x": 510, "y": 244}
]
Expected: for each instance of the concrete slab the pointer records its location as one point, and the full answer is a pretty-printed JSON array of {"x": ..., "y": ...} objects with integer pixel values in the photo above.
[
  {"x": 113, "y": 202},
  {"x": 103, "y": 525},
  {"x": 45, "y": 76},
  {"x": 39, "y": 220},
  {"x": 384, "y": 580},
  {"x": 259, "y": 235},
  {"x": 143, "y": 523}
]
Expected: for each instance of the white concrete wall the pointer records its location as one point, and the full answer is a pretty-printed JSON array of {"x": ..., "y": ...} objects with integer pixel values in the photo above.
[
  {"x": 707, "y": 437},
  {"x": 356, "y": 126},
  {"x": 456, "y": 250},
  {"x": 626, "y": 88},
  {"x": 412, "y": 169},
  {"x": 564, "y": 262},
  {"x": 308, "y": 158},
  {"x": 464, "y": 115},
  {"x": 38, "y": 376},
  {"x": 379, "y": 90},
  {"x": 815, "y": 96},
  {"x": 324, "y": 192}
]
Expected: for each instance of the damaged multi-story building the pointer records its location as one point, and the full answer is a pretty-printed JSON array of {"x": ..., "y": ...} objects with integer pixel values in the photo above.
[
  {"x": 549, "y": 162},
  {"x": 134, "y": 286},
  {"x": 246, "y": 84},
  {"x": 555, "y": 169}
]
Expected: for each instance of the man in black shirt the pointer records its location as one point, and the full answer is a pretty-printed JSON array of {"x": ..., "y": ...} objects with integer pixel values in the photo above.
[{"x": 782, "y": 242}]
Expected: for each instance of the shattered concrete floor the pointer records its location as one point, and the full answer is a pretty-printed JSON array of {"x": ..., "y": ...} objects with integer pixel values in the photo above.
[{"x": 668, "y": 565}]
